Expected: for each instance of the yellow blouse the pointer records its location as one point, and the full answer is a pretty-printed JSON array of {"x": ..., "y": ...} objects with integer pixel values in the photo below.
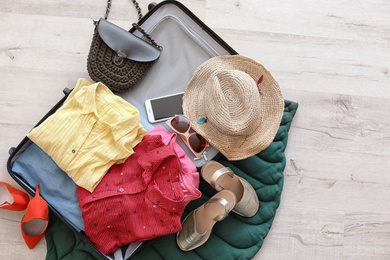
[{"x": 93, "y": 130}]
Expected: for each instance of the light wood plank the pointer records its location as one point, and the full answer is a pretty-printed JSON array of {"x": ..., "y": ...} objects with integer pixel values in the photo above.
[
  {"x": 332, "y": 57},
  {"x": 305, "y": 234},
  {"x": 328, "y": 65}
]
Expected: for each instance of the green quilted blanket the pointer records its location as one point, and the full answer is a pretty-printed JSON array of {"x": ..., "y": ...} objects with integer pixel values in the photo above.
[{"x": 235, "y": 237}]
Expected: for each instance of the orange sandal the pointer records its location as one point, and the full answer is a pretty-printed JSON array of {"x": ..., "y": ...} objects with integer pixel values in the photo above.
[
  {"x": 34, "y": 223},
  {"x": 198, "y": 225},
  {"x": 12, "y": 199},
  {"x": 223, "y": 178}
]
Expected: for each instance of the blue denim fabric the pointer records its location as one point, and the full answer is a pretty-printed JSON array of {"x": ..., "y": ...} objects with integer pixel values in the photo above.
[{"x": 36, "y": 167}]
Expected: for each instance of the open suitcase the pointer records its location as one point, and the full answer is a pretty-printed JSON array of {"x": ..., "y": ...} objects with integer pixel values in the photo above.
[{"x": 187, "y": 43}]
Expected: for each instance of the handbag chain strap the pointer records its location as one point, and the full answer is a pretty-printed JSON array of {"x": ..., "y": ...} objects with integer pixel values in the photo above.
[{"x": 135, "y": 25}]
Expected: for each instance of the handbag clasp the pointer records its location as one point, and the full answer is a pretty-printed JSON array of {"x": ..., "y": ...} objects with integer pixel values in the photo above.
[{"x": 119, "y": 58}]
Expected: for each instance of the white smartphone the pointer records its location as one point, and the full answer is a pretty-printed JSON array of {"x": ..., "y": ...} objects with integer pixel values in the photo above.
[{"x": 161, "y": 108}]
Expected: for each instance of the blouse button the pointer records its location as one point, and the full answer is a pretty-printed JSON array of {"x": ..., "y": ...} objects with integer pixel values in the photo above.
[
  {"x": 121, "y": 190},
  {"x": 73, "y": 151}
]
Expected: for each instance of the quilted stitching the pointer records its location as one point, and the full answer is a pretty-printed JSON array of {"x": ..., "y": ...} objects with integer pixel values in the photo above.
[{"x": 235, "y": 237}]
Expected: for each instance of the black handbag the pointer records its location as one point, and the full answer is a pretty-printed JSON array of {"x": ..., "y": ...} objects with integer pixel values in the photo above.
[{"x": 118, "y": 58}]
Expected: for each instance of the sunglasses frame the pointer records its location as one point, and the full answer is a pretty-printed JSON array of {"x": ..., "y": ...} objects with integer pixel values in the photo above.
[{"x": 186, "y": 135}]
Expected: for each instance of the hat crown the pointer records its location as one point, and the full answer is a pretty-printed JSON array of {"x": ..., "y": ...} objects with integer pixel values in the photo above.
[
  {"x": 241, "y": 120},
  {"x": 232, "y": 102}
]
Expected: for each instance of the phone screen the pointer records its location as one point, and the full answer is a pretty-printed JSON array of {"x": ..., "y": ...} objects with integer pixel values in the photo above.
[{"x": 166, "y": 107}]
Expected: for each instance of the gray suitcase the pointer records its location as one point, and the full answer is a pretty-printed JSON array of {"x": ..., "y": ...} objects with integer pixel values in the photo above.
[{"x": 187, "y": 43}]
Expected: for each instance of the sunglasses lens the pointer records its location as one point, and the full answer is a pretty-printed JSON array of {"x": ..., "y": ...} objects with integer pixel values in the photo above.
[
  {"x": 180, "y": 123},
  {"x": 197, "y": 142}
]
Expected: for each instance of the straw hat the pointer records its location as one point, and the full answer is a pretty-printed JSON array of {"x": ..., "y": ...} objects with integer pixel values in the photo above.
[{"x": 235, "y": 104}]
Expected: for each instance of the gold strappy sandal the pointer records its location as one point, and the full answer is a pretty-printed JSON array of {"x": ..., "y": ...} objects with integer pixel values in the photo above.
[
  {"x": 198, "y": 225},
  {"x": 223, "y": 178}
]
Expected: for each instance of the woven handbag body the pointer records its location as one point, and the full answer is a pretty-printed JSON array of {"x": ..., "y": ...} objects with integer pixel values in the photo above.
[{"x": 118, "y": 58}]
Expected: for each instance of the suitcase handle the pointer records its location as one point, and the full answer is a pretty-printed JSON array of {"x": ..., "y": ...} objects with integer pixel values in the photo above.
[
  {"x": 151, "y": 5},
  {"x": 66, "y": 91},
  {"x": 11, "y": 150}
]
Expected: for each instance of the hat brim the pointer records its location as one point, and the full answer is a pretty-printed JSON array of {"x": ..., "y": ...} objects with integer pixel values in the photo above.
[{"x": 271, "y": 107}]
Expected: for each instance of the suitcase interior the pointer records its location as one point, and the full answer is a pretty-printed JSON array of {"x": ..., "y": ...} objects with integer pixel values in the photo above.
[{"x": 186, "y": 42}]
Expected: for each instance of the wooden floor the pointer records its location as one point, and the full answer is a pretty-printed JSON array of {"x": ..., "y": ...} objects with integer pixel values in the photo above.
[{"x": 332, "y": 57}]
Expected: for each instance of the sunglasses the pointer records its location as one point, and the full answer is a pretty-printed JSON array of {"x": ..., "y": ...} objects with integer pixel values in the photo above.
[{"x": 195, "y": 142}]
